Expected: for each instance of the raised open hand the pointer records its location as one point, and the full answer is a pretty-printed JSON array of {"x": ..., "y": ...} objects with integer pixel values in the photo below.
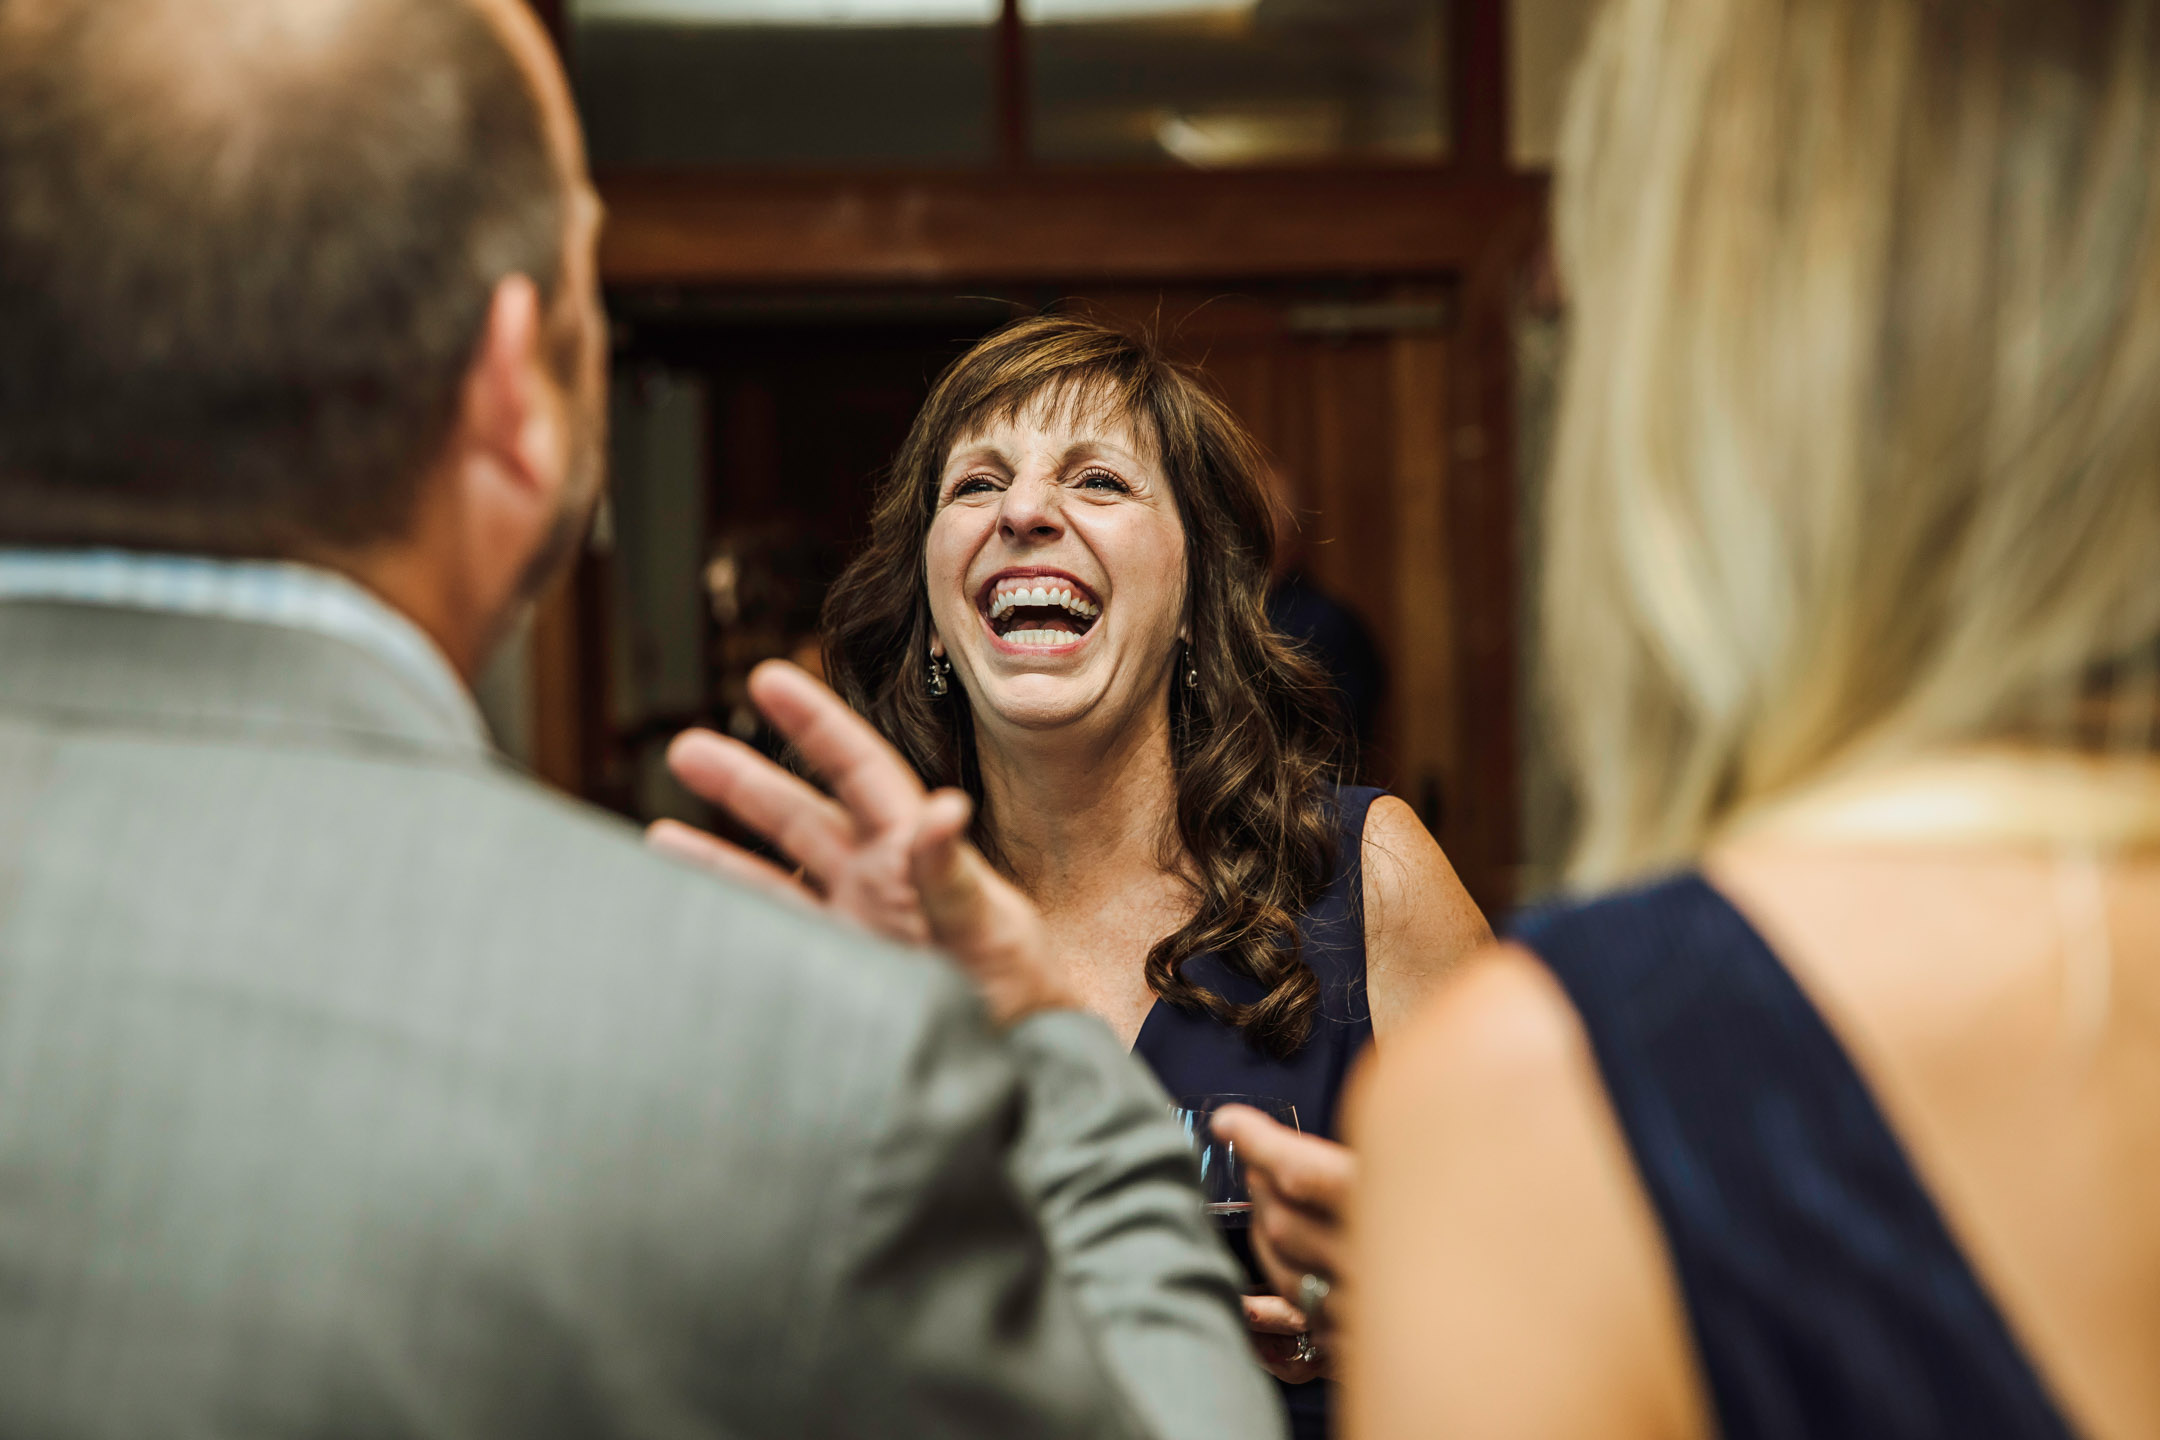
[
  {"x": 881, "y": 852},
  {"x": 855, "y": 851}
]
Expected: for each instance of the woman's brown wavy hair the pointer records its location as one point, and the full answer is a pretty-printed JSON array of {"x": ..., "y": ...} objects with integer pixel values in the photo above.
[{"x": 1255, "y": 746}]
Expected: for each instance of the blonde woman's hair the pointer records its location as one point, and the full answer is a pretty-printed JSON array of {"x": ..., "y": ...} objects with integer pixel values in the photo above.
[{"x": 1859, "y": 447}]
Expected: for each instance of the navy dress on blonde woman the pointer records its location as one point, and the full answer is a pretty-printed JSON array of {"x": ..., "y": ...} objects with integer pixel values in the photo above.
[
  {"x": 1825, "y": 1292},
  {"x": 1196, "y": 1054}
]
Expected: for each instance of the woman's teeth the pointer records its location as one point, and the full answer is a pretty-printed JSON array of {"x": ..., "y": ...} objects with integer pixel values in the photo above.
[
  {"x": 1039, "y": 613},
  {"x": 1009, "y": 597}
]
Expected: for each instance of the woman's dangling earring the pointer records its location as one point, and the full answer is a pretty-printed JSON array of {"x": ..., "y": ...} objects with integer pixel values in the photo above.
[
  {"x": 940, "y": 668},
  {"x": 1192, "y": 670}
]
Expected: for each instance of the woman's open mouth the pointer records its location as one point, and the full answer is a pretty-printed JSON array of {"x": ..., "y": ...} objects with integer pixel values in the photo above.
[{"x": 1040, "y": 610}]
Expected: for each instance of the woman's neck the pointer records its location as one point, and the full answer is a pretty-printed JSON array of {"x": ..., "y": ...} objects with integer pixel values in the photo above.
[{"x": 1073, "y": 813}]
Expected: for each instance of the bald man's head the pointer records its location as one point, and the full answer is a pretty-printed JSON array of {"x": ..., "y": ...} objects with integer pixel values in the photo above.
[{"x": 246, "y": 250}]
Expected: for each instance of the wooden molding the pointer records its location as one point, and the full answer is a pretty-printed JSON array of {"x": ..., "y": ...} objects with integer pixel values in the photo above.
[
  {"x": 747, "y": 228},
  {"x": 1481, "y": 84}
]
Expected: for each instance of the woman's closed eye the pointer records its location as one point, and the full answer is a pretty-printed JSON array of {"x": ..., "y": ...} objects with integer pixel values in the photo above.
[{"x": 1101, "y": 481}]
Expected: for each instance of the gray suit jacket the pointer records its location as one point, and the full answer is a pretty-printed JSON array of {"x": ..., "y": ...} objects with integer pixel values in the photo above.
[{"x": 352, "y": 1085}]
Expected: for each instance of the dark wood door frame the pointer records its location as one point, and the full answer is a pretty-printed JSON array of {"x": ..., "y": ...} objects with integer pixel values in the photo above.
[{"x": 738, "y": 228}]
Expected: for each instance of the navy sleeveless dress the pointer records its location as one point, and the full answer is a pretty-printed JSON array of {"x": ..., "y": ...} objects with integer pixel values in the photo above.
[
  {"x": 1826, "y": 1295},
  {"x": 1200, "y": 1055}
]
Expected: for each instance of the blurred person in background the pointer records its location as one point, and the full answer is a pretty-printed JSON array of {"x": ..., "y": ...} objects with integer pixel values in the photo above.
[
  {"x": 1060, "y": 612},
  {"x": 352, "y": 1083},
  {"x": 763, "y": 586},
  {"x": 1330, "y": 633},
  {"x": 1838, "y": 1115}
]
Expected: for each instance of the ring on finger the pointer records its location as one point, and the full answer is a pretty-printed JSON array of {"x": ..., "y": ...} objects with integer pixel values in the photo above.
[{"x": 1307, "y": 1352}]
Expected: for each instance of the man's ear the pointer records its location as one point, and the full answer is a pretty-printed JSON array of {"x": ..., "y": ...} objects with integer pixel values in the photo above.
[{"x": 512, "y": 420}]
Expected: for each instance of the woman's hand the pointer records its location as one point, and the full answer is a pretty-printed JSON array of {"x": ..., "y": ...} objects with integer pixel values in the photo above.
[
  {"x": 885, "y": 854},
  {"x": 1300, "y": 1187},
  {"x": 1280, "y": 1335}
]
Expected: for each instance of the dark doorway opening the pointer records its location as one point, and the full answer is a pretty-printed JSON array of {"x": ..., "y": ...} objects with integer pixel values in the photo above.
[{"x": 749, "y": 437}]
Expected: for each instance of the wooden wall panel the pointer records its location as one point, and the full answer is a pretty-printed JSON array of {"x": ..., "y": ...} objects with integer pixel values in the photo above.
[
  {"x": 558, "y": 681},
  {"x": 787, "y": 228},
  {"x": 1483, "y": 564},
  {"x": 1354, "y": 458},
  {"x": 1428, "y": 756},
  {"x": 1362, "y": 426}
]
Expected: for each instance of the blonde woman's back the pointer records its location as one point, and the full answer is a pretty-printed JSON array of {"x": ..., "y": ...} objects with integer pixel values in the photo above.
[
  {"x": 1831, "y": 1139},
  {"x": 1952, "y": 979},
  {"x": 1849, "y": 605}
]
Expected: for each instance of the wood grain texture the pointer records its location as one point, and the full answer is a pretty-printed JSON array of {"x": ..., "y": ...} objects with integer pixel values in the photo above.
[
  {"x": 1428, "y": 751},
  {"x": 560, "y": 677},
  {"x": 722, "y": 228},
  {"x": 1485, "y": 809}
]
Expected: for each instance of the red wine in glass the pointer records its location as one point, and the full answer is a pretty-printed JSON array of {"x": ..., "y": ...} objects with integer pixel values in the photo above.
[{"x": 1223, "y": 1196}]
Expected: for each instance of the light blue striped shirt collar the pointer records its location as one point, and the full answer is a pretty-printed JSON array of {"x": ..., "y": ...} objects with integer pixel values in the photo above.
[{"x": 266, "y": 592}]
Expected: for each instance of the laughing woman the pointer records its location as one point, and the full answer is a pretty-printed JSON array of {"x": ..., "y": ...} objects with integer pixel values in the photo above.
[{"x": 1060, "y": 611}]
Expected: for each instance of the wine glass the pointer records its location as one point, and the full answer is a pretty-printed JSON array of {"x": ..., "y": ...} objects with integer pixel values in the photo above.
[{"x": 1222, "y": 1175}]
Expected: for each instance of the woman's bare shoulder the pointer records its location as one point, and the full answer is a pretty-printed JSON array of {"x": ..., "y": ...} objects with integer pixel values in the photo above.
[
  {"x": 1501, "y": 1225},
  {"x": 1420, "y": 923}
]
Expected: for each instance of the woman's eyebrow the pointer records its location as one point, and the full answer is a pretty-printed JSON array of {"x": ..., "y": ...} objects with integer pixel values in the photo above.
[
  {"x": 1097, "y": 449},
  {"x": 976, "y": 455}
]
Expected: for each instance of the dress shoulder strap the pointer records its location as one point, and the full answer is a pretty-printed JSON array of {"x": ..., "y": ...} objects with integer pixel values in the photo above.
[
  {"x": 1826, "y": 1293},
  {"x": 1333, "y": 928},
  {"x": 1352, "y": 804}
]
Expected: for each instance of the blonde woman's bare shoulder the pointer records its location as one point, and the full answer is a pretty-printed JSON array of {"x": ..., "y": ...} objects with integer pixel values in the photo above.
[
  {"x": 1499, "y": 1034},
  {"x": 1511, "y": 1277}
]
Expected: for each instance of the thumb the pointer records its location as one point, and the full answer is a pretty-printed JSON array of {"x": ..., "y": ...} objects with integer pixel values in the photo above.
[
  {"x": 992, "y": 929},
  {"x": 943, "y": 863},
  {"x": 1305, "y": 1170}
]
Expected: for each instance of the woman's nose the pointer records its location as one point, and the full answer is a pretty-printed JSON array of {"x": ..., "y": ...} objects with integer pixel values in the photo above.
[{"x": 1031, "y": 511}]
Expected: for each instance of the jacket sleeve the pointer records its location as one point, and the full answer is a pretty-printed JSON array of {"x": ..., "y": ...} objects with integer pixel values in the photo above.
[
  {"x": 1113, "y": 1184},
  {"x": 1020, "y": 1254}
]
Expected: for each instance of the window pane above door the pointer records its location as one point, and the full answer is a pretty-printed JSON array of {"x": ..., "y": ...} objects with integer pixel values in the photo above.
[
  {"x": 1237, "y": 82},
  {"x": 807, "y": 83}
]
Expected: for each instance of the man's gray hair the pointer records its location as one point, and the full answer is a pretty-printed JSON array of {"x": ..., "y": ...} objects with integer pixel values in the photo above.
[{"x": 247, "y": 248}]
